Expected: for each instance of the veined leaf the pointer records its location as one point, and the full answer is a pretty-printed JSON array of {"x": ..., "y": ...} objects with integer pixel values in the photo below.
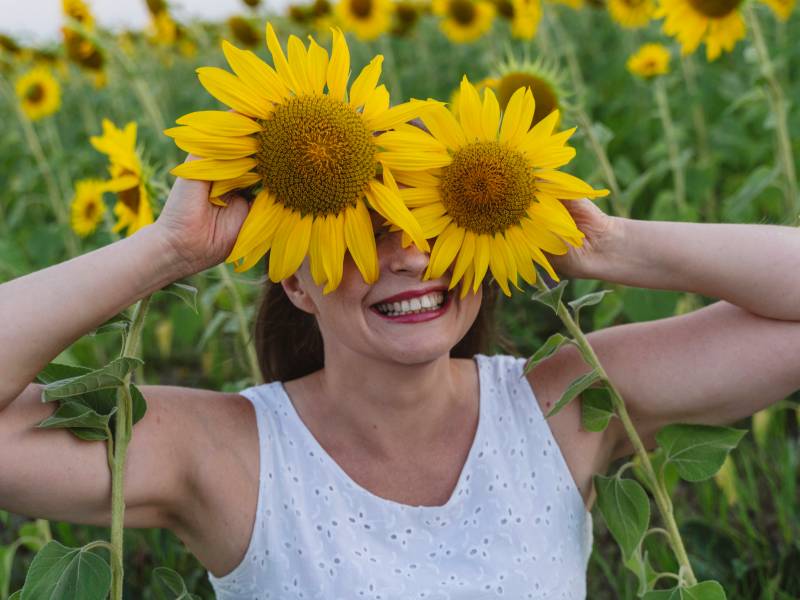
[
  {"x": 184, "y": 291},
  {"x": 61, "y": 573},
  {"x": 56, "y": 371},
  {"x": 76, "y": 414},
  {"x": 639, "y": 564},
  {"x": 587, "y": 300},
  {"x": 573, "y": 389},
  {"x": 553, "y": 343},
  {"x": 170, "y": 584},
  {"x": 120, "y": 322},
  {"x": 107, "y": 377},
  {"x": 551, "y": 297},
  {"x": 706, "y": 590},
  {"x": 626, "y": 510},
  {"x": 139, "y": 404},
  {"x": 596, "y": 409},
  {"x": 698, "y": 451}
]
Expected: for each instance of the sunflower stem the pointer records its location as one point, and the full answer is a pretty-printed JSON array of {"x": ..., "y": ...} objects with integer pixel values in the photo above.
[
  {"x": 238, "y": 307},
  {"x": 654, "y": 483},
  {"x": 673, "y": 148},
  {"x": 123, "y": 431},
  {"x": 778, "y": 105}
]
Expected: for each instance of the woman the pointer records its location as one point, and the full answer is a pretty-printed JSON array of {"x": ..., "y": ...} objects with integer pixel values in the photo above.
[{"x": 375, "y": 476}]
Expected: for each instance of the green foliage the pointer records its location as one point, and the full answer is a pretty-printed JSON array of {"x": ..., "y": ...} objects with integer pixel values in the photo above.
[
  {"x": 706, "y": 590},
  {"x": 61, "y": 573},
  {"x": 578, "y": 385},
  {"x": 169, "y": 585},
  {"x": 109, "y": 376},
  {"x": 698, "y": 451},
  {"x": 596, "y": 409},
  {"x": 626, "y": 510}
]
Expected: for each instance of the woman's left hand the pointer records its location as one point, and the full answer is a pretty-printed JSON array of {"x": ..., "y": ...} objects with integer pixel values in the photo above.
[{"x": 599, "y": 229}]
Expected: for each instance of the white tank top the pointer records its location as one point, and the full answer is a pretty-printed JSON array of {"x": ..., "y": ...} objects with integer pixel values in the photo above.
[{"x": 514, "y": 526}]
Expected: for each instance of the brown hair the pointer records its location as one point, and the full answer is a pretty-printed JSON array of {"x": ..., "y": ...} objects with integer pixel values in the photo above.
[{"x": 289, "y": 344}]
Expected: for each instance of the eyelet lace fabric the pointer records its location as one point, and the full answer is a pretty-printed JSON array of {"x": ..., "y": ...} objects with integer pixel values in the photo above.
[{"x": 515, "y": 525}]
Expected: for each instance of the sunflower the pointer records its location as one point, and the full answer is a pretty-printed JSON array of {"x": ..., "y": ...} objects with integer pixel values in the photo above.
[
  {"x": 88, "y": 207},
  {"x": 406, "y": 17},
  {"x": 163, "y": 29},
  {"x": 243, "y": 31},
  {"x": 368, "y": 19},
  {"x": 454, "y": 97},
  {"x": 39, "y": 93},
  {"x": 542, "y": 78},
  {"x": 132, "y": 209},
  {"x": 782, "y": 8},
  {"x": 631, "y": 13},
  {"x": 494, "y": 203},
  {"x": 464, "y": 21},
  {"x": 650, "y": 60},
  {"x": 79, "y": 11},
  {"x": 314, "y": 154},
  {"x": 524, "y": 16},
  {"x": 79, "y": 49},
  {"x": 718, "y": 23}
]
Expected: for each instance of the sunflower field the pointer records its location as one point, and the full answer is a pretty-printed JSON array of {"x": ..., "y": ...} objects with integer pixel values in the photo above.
[{"x": 682, "y": 110}]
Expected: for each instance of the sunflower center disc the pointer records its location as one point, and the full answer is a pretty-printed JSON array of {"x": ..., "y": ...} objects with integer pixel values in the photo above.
[
  {"x": 361, "y": 8},
  {"x": 543, "y": 94},
  {"x": 462, "y": 11},
  {"x": 35, "y": 93},
  {"x": 316, "y": 156},
  {"x": 487, "y": 188},
  {"x": 90, "y": 211},
  {"x": 715, "y": 9}
]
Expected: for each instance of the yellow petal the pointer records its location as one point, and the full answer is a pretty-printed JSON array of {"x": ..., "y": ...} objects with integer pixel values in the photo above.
[
  {"x": 447, "y": 245},
  {"x": 317, "y": 66},
  {"x": 298, "y": 62},
  {"x": 402, "y": 113},
  {"x": 469, "y": 111},
  {"x": 260, "y": 225},
  {"x": 339, "y": 66},
  {"x": 543, "y": 238},
  {"x": 333, "y": 255},
  {"x": 377, "y": 103},
  {"x": 238, "y": 183},
  {"x": 279, "y": 59},
  {"x": 257, "y": 74},
  {"x": 543, "y": 129},
  {"x": 498, "y": 263},
  {"x": 469, "y": 274},
  {"x": 211, "y": 146},
  {"x": 220, "y": 122},
  {"x": 518, "y": 247},
  {"x": 386, "y": 200},
  {"x": 565, "y": 186},
  {"x": 209, "y": 169},
  {"x": 360, "y": 241},
  {"x": 413, "y": 161},
  {"x": 490, "y": 115},
  {"x": 290, "y": 246},
  {"x": 517, "y": 116},
  {"x": 366, "y": 81},
  {"x": 420, "y": 196},
  {"x": 466, "y": 256},
  {"x": 428, "y": 178},
  {"x": 315, "y": 250},
  {"x": 443, "y": 125},
  {"x": 481, "y": 263},
  {"x": 230, "y": 90}
]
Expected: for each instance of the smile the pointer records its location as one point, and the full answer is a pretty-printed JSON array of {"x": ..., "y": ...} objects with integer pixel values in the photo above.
[{"x": 413, "y": 310}]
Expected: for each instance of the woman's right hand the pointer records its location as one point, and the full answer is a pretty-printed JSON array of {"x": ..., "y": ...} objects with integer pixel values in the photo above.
[{"x": 201, "y": 234}]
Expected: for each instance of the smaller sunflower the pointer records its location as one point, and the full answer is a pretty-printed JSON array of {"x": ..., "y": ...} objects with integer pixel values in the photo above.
[
  {"x": 717, "y": 23},
  {"x": 368, "y": 19},
  {"x": 543, "y": 79},
  {"x": 163, "y": 29},
  {"x": 406, "y": 17},
  {"x": 38, "y": 93},
  {"x": 650, "y": 60},
  {"x": 782, "y": 8},
  {"x": 133, "y": 209},
  {"x": 79, "y": 11},
  {"x": 243, "y": 31},
  {"x": 87, "y": 207},
  {"x": 464, "y": 21},
  {"x": 523, "y": 15},
  {"x": 632, "y": 13}
]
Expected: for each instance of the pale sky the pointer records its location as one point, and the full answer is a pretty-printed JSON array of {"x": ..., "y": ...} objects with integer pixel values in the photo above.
[{"x": 31, "y": 20}]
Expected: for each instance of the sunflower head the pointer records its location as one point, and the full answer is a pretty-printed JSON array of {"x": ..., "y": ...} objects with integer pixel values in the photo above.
[
  {"x": 649, "y": 60},
  {"x": 368, "y": 19},
  {"x": 38, "y": 93},
  {"x": 156, "y": 6},
  {"x": 543, "y": 79},
  {"x": 78, "y": 11},
  {"x": 310, "y": 148},
  {"x": 485, "y": 184},
  {"x": 243, "y": 31},
  {"x": 782, "y": 8},
  {"x": 464, "y": 21},
  {"x": 631, "y": 13},
  {"x": 717, "y": 23},
  {"x": 87, "y": 208},
  {"x": 406, "y": 16}
]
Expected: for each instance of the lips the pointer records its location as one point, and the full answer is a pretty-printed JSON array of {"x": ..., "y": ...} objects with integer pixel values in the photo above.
[{"x": 412, "y": 294}]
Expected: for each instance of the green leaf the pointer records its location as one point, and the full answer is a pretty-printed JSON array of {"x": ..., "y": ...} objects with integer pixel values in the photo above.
[
  {"x": 107, "y": 377},
  {"x": 120, "y": 322},
  {"x": 596, "y": 409},
  {"x": 553, "y": 343},
  {"x": 139, "y": 404},
  {"x": 76, "y": 414},
  {"x": 551, "y": 297},
  {"x": 185, "y": 292},
  {"x": 210, "y": 330},
  {"x": 626, "y": 509},
  {"x": 707, "y": 590},
  {"x": 648, "y": 305},
  {"x": 587, "y": 300},
  {"x": 16, "y": 595},
  {"x": 698, "y": 451},
  {"x": 57, "y": 371},
  {"x": 59, "y": 572},
  {"x": 170, "y": 585},
  {"x": 573, "y": 389},
  {"x": 639, "y": 564}
]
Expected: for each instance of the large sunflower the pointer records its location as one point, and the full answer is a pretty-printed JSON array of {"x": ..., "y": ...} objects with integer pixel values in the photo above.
[
  {"x": 464, "y": 21},
  {"x": 87, "y": 207},
  {"x": 631, "y": 13},
  {"x": 38, "y": 93},
  {"x": 368, "y": 19},
  {"x": 718, "y": 23},
  {"x": 495, "y": 201},
  {"x": 132, "y": 209},
  {"x": 314, "y": 154}
]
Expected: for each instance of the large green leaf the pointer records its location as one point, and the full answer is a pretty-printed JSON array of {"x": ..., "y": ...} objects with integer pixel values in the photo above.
[
  {"x": 107, "y": 377},
  {"x": 596, "y": 409},
  {"x": 551, "y": 297},
  {"x": 706, "y": 590},
  {"x": 573, "y": 389},
  {"x": 62, "y": 573},
  {"x": 553, "y": 343},
  {"x": 626, "y": 509},
  {"x": 170, "y": 586},
  {"x": 698, "y": 451},
  {"x": 56, "y": 371},
  {"x": 76, "y": 414}
]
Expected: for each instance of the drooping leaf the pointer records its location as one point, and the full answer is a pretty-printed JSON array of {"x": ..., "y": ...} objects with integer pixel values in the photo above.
[
  {"x": 626, "y": 509},
  {"x": 107, "y": 377},
  {"x": 61, "y": 573},
  {"x": 117, "y": 323},
  {"x": 553, "y": 343},
  {"x": 170, "y": 585},
  {"x": 587, "y": 300},
  {"x": 75, "y": 414},
  {"x": 573, "y": 389},
  {"x": 184, "y": 291},
  {"x": 551, "y": 297},
  {"x": 698, "y": 451},
  {"x": 139, "y": 404},
  {"x": 56, "y": 371},
  {"x": 706, "y": 590},
  {"x": 596, "y": 409}
]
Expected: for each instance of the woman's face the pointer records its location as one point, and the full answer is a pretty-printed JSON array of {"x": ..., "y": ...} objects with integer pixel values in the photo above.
[{"x": 364, "y": 318}]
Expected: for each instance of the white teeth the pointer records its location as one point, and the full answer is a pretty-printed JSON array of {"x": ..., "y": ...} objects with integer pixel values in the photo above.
[
  {"x": 415, "y": 304},
  {"x": 428, "y": 302},
  {"x": 405, "y": 306}
]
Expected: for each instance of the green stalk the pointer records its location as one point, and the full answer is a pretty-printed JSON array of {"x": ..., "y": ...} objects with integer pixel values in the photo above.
[
  {"x": 778, "y": 105},
  {"x": 654, "y": 483},
  {"x": 122, "y": 437},
  {"x": 678, "y": 176},
  {"x": 238, "y": 307}
]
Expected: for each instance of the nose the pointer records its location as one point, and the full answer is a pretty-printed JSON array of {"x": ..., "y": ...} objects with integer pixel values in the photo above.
[{"x": 408, "y": 261}]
